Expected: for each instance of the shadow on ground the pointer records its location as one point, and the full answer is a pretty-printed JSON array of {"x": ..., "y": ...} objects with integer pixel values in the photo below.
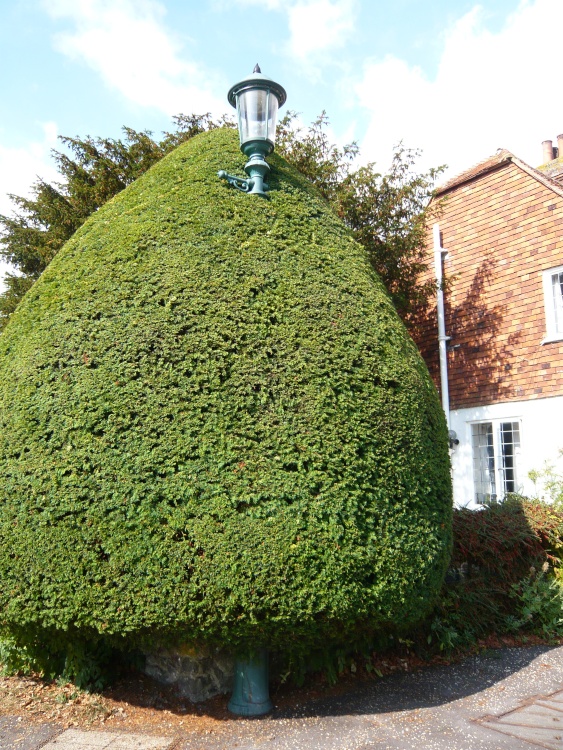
[{"x": 425, "y": 688}]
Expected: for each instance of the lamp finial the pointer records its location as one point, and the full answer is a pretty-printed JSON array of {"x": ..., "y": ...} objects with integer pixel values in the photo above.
[{"x": 256, "y": 69}]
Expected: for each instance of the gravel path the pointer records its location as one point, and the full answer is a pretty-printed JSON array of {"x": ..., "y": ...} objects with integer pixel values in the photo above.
[{"x": 439, "y": 708}]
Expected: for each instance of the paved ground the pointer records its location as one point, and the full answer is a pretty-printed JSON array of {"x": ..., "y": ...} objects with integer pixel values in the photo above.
[{"x": 502, "y": 700}]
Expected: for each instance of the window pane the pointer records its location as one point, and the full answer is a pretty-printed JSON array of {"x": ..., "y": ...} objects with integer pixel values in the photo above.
[
  {"x": 509, "y": 444},
  {"x": 483, "y": 462},
  {"x": 557, "y": 287}
]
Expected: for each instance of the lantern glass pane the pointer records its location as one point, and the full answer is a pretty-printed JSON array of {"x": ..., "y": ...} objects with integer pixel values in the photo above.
[
  {"x": 272, "y": 117},
  {"x": 253, "y": 114}
]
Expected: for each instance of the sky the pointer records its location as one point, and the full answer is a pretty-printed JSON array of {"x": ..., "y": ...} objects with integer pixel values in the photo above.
[{"x": 455, "y": 79}]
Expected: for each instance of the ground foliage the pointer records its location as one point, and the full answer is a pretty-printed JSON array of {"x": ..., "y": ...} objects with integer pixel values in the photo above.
[
  {"x": 214, "y": 425},
  {"x": 505, "y": 575},
  {"x": 389, "y": 214}
]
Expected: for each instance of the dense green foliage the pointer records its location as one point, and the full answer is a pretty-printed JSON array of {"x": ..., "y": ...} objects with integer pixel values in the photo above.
[
  {"x": 310, "y": 149},
  {"x": 388, "y": 214},
  {"x": 92, "y": 171},
  {"x": 213, "y": 424},
  {"x": 505, "y": 580},
  {"x": 507, "y": 562}
]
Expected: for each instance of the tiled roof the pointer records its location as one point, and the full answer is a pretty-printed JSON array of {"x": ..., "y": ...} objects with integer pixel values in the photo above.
[
  {"x": 553, "y": 170},
  {"x": 487, "y": 165},
  {"x": 498, "y": 160}
]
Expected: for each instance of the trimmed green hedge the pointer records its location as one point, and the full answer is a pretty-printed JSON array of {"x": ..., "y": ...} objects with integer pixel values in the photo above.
[{"x": 213, "y": 424}]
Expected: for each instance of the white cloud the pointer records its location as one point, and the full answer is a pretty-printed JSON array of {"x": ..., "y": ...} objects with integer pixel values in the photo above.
[
  {"x": 491, "y": 90},
  {"x": 20, "y": 168},
  {"x": 127, "y": 44},
  {"x": 319, "y": 26},
  {"x": 315, "y": 26},
  {"x": 264, "y": 4}
]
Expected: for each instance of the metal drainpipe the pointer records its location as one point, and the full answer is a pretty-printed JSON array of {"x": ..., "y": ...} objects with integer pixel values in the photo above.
[{"x": 439, "y": 253}]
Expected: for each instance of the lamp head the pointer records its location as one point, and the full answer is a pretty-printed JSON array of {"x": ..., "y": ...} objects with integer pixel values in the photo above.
[{"x": 257, "y": 99}]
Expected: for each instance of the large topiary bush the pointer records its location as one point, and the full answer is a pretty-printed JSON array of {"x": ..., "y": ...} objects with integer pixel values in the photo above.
[{"x": 214, "y": 425}]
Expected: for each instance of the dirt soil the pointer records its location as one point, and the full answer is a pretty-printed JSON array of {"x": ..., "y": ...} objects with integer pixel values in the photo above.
[{"x": 138, "y": 703}]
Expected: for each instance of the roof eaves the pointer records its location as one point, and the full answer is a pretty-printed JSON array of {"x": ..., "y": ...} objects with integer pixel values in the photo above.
[
  {"x": 491, "y": 164},
  {"x": 547, "y": 181},
  {"x": 499, "y": 160}
]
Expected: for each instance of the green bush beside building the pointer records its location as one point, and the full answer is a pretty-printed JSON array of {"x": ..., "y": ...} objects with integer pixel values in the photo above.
[{"x": 214, "y": 426}]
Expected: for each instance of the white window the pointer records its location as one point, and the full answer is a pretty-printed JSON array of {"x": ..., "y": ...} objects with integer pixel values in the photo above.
[
  {"x": 496, "y": 447},
  {"x": 553, "y": 301}
]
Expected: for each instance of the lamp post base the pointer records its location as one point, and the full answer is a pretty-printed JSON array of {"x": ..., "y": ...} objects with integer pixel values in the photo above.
[
  {"x": 256, "y": 168},
  {"x": 250, "y": 690}
]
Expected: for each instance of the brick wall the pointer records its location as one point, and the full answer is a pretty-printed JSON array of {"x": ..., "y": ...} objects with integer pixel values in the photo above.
[{"x": 501, "y": 230}]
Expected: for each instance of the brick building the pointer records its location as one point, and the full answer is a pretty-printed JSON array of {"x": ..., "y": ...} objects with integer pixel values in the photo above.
[{"x": 500, "y": 368}]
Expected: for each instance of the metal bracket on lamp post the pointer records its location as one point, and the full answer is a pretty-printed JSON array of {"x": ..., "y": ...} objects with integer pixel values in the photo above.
[
  {"x": 257, "y": 169},
  {"x": 240, "y": 183}
]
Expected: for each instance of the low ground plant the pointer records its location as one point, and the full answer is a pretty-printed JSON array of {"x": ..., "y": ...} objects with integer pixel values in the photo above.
[
  {"x": 548, "y": 482},
  {"x": 505, "y": 575},
  {"x": 539, "y": 604}
]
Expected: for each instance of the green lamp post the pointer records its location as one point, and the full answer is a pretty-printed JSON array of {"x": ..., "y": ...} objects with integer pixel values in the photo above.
[
  {"x": 257, "y": 100},
  {"x": 251, "y": 696}
]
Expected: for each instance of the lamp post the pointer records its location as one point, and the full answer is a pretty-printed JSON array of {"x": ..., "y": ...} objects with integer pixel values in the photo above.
[
  {"x": 257, "y": 100},
  {"x": 251, "y": 695}
]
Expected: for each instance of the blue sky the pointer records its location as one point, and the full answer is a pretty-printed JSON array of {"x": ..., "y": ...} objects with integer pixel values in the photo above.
[{"x": 456, "y": 79}]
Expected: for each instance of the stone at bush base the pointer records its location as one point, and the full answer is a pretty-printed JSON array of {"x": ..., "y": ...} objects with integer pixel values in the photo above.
[
  {"x": 214, "y": 425},
  {"x": 198, "y": 675}
]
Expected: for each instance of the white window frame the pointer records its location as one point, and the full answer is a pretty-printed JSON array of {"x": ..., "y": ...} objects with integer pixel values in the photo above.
[
  {"x": 553, "y": 325},
  {"x": 498, "y": 457}
]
